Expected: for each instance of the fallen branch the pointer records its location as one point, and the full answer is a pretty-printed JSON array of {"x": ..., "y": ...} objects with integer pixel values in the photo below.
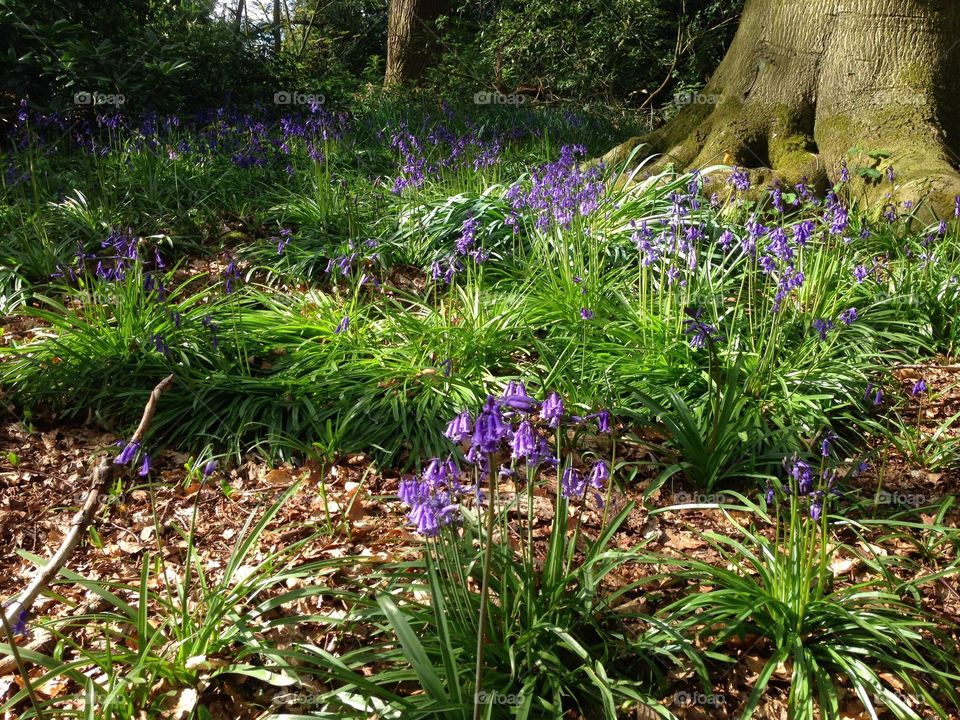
[
  {"x": 103, "y": 475},
  {"x": 42, "y": 638}
]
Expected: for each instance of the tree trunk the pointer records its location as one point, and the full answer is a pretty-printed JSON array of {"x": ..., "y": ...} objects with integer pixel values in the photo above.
[
  {"x": 277, "y": 35},
  {"x": 804, "y": 81},
  {"x": 411, "y": 38}
]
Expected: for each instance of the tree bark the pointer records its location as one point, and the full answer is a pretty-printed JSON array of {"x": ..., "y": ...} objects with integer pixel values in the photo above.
[
  {"x": 411, "y": 38},
  {"x": 804, "y": 81}
]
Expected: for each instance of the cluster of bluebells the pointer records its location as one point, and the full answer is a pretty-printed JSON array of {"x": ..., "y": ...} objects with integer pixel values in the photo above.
[
  {"x": 802, "y": 481},
  {"x": 466, "y": 248},
  {"x": 700, "y": 332},
  {"x": 120, "y": 252},
  {"x": 129, "y": 454},
  {"x": 362, "y": 257},
  {"x": 248, "y": 139},
  {"x": 558, "y": 192},
  {"x": 441, "y": 149},
  {"x": 514, "y": 425}
]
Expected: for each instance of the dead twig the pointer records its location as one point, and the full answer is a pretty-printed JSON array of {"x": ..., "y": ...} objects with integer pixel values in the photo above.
[{"x": 103, "y": 475}]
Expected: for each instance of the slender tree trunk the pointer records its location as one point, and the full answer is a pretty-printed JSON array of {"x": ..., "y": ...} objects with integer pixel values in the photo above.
[
  {"x": 411, "y": 38},
  {"x": 277, "y": 36},
  {"x": 804, "y": 81}
]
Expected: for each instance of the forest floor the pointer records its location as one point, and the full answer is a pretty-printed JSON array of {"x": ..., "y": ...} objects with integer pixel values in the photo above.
[{"x": 40, "y": 493}]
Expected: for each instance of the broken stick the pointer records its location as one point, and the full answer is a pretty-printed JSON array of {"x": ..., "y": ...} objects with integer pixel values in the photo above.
[{"x": 102, "y": 477}]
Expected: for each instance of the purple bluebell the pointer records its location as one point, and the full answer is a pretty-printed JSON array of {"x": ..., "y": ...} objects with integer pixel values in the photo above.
[
  {"x": 209, "y": 468},
  {"x": 822, "y": 327},
  {"x": 801, "y": 474},
  {"x": 586, "y": 313},
  {"x": 740, "y": 179},
  {"x": 603, "y": 421},
  {"x": 145, "y": 467},
  {"x": 490, "y": 430},
  {"x": 828, "y": 438},
  {"x": 700, "y": 332},
  {"x": 848, "y": 316},
  {"x": 128, "y": 453},
  {"x": 552, "y": 410},
  {"x": 343, "y": 325},
  {"x": 919, "y": 387},
  {"x": 572, "y": 484},
  {"x": 21, "y": 628},
  {"x": 524, "y": 443},
  {"x": 515, "y": 397},
  {"x": 816, "y": 506}
]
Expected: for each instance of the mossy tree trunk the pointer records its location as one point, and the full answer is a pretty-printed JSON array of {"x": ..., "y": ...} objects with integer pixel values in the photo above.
[
  {"x": 411, "y": 38},
  {"x": 804, "y": 81}
]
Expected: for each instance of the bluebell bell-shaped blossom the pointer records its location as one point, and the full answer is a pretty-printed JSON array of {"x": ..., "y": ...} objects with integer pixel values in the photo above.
[
  {"x": 552, "y": 410},
  {"x": 524, "y": 443},
  {"x": 515, "y": 397},
  {"x": 128, "y": 453},
  {"x": 460, "y": 428},
  {"x": 822, "y": 327},
  {"x": 490, "y": 430}
]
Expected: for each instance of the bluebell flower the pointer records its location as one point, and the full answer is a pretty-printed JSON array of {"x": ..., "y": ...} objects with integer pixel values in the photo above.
[
  {"x": 740, "y": 179},
  {"x": 20, "y": 628},
  {"x": 825, "y": 443},
  {"x": 816, "y": 507},
  {"x": 586, "y": 313},
  {"x": 700, "y": 332},
  {"x": 128, "y": 453},
  {"x": 145, "y": 468},
  {"x": 460, "y": 428},
  {"x": 822, "y": 327},
  {"x": 572, "y": 484},
  {"x": 599, "y": 475},
  {"x": 490, "y": 430},
  {"x": 343, "y": 325},
  {"x": 801, "y": 474},
  {"x": 524, "y": 443},
  {"x": 515, "y": 398},
  {"x": 848, "y": 316},
  {"x": 919, "y": 387},
  {"x": 209, "y": 468},
  {"x": 552, "y": 410},
  {"x": 603, "y": 421}
]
